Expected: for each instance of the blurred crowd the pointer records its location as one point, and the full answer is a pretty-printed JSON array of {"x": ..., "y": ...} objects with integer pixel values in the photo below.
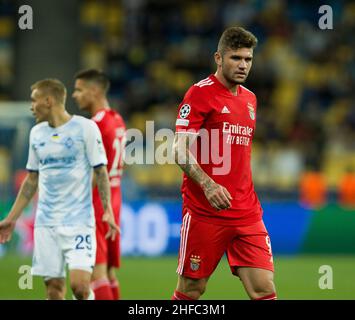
[
  {"x": 303, "y": 77},
  {"x": 7, "y": 48}
]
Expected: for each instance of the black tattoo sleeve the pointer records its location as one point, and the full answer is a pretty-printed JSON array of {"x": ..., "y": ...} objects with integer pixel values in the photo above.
[{"x": 103, "y": 185}]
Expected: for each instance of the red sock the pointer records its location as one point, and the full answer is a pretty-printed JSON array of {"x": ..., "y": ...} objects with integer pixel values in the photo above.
[
  {"x": 102, "y": 289},
  {"x": 269, "y": 297},
  {"x": 115, "y": 289},
  {"x": 180, "y": 296}
]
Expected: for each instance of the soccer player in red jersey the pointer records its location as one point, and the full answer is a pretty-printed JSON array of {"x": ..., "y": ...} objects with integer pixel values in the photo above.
[
  {"x": 221, "y": 211},
  {"x": 91, "y": 87}
]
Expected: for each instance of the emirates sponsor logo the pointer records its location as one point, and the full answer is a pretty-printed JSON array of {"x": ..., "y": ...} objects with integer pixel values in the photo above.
[{"x": 237, "y": 134}]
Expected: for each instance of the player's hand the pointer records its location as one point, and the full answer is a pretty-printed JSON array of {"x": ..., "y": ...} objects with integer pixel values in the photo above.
[
  {"x": 6, "y": 229},
  {"x": 217, "y": 195},
  {"x": 113, "y": 227}
]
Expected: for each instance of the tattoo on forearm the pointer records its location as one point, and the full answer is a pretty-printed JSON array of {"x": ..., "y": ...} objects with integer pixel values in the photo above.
[
  {"x": 190, "y": 166},
  {"x": 28, "y": 189},
  {"x": 103, "y": 185}
]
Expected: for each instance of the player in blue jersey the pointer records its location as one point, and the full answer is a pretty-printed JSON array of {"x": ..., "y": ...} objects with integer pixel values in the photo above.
[{"x": 63, "y": 151}]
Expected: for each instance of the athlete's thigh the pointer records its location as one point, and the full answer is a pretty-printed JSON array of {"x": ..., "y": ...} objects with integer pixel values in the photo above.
[
  {"x": 202, "y": 246},
  {"x": 116, "y": 201},
  {"x": 48, "y": 260},
  {"x": 101, "y": 242},
  {"x": 79, "y": 247},
  {"x": 113, "y": 252},
  {"x": 79, "y": 277},
  {"x": 113, "y": 246},
  {"x": 251, "y": 248},
  {"x": 101, "y": 231},
  {"x": 256, "y": 279}
]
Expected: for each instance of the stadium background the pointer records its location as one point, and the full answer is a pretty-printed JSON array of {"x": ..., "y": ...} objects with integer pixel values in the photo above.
[{"x": 303, "y": 153}]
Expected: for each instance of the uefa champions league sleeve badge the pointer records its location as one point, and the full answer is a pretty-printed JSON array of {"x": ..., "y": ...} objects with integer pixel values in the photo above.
[{"x": 184, "y": 111}]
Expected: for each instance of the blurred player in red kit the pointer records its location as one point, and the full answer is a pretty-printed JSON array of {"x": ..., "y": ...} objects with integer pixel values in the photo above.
[
  {"x": 91, "y": 87},
  {"x": 221, "y": 211}
]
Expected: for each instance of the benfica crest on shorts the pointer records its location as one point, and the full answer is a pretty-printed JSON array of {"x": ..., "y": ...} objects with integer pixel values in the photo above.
[
  {"x": 195, "y": 262},
  {"x": 251, "y": 111}
]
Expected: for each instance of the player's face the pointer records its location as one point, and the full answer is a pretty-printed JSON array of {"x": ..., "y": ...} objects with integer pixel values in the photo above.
[
  {"x": 83, "y": 94},
  {"x": 40, "y": 106},
  {"x": 235, "y": 64}
]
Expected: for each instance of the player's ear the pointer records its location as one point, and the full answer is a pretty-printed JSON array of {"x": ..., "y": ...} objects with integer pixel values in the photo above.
[
  {"x": 97, "y": 91},
  {"x": 94, "y": 90},
  {"x": 218, "y": 59},
  {"x": 49, "y": 101}
]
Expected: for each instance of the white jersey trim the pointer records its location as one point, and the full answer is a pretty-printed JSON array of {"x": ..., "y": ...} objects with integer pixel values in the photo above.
[
  {"x": 99, "y": 116},
  {"x": 247, "y": 89},
  {"x": 204, "y": 82},
  {"x": 189, "y": 132}
]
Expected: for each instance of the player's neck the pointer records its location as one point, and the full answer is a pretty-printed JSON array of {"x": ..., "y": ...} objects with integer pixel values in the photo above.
[
  {"x": 59, "y": 118},
  {"x": 232, "y": 87},
  {"x": 99, "y": 105}
]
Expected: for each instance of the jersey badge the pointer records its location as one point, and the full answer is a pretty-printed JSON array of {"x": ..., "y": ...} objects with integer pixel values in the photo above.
[
  {"x": 195, "y": 262},
  {"x": 185, "y": 111},
  {"x": 68, "y": 142},
  {"x": 99, "y": 116},
  {"x": 55, "y": 136},
  {"x": 251, "y": 111}
]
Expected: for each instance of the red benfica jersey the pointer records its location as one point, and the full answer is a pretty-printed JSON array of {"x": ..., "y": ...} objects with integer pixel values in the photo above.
[
  {"x": 112, "y": 129},
  {"x": 225, "y": 125}
]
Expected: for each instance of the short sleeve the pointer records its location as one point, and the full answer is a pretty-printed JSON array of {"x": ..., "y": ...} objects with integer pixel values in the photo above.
[
  {"x": 33, "y": 160},
  {"x": 95, "y": 150},
  {"x": 101, "y": 122},
  {"x": 192, "y": 112}
]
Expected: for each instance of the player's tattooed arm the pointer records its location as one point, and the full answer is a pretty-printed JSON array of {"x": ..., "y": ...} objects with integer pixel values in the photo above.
[
  {"x": 217, "y": 195},
  {"x": 103, "y": 185},
  {"x": 24, "y": 196},
  {"x": 187, "y": 162},
  {"x": 29, "y": 186}
]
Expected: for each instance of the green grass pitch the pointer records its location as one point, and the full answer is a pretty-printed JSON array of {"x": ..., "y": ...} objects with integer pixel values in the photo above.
[{"x": 155, "y": 278}]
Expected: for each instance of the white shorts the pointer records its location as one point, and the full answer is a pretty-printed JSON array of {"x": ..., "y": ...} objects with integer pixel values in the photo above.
[{"x": 55, "y": 247}]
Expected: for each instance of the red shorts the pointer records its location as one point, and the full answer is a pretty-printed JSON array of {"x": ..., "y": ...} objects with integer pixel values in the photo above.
[
  {"x": 202, "y": 246},
  {"x": 108, "y": 251}
]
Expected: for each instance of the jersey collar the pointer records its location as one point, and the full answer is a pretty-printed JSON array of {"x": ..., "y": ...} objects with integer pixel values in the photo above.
[{"x": 224, "y": 88}]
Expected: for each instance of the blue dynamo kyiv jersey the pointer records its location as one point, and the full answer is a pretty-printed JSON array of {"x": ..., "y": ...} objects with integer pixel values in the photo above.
[{"x": 64, "y": 157}]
